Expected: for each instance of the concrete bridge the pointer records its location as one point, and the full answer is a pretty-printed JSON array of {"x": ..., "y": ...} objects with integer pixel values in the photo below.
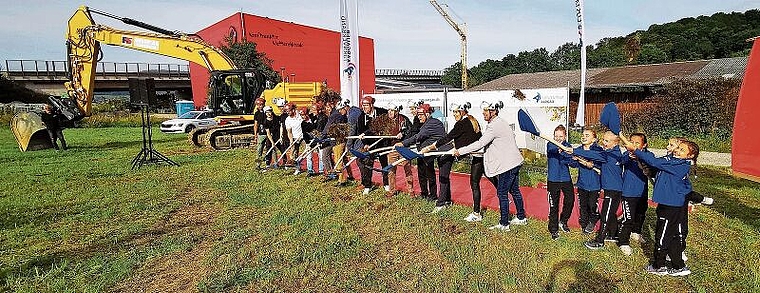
[{"x": 49, "y": 76}]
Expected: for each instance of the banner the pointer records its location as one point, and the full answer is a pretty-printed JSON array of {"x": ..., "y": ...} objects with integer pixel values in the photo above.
[
  {"x": 547, "y": 107},
  {"x": 349, "y": 51},
  {"x": 580, "y": 115}
]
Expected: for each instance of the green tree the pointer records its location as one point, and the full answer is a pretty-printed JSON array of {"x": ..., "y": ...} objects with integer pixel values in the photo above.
[
  {"x": 651, "y": 54},
  {"x": 567, "y": 57},
  {"x": 452, "y": 75},
  {"x": 245, "y": 55}
]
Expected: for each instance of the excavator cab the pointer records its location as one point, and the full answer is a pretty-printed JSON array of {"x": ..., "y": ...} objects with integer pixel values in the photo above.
[{"x": 232, "y": 92}]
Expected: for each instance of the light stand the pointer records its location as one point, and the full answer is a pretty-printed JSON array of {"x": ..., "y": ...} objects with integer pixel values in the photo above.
[{"x": 140, "y": 92}]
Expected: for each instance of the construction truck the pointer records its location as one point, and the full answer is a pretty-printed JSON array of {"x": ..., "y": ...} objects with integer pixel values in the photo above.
[{"x": 232, "y": 91}]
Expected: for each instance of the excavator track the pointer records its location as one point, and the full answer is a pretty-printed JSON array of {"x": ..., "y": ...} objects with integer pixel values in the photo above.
[{"x": 222, "y": 138}]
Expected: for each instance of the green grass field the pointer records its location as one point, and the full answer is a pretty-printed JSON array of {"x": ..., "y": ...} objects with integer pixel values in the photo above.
[{"x": 81, "y": 221}]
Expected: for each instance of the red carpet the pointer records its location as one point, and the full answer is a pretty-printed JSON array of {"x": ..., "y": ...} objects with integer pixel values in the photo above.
[{"x": 534, "y": 198}]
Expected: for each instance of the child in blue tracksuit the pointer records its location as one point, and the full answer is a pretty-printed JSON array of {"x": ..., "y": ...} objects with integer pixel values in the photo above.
[
  {"x": 588, "y": 183},
  {"x": 635, "y": 195},
  {"x": 611, "y": 183},
  {"x": 558, "y": 179},
  {"x": 671, "y": 187}
]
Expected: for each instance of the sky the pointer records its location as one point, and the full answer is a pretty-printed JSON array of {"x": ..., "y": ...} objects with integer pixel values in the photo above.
[{"x": 408, "y": 34}]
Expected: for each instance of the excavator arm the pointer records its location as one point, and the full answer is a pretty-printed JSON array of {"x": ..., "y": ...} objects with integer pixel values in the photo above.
[{"x": 84, "y": 38}]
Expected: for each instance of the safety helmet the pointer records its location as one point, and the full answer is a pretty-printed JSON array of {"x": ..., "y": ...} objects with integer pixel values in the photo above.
[
  {"x": 279, "y": 102},
  {"x": 492, "y": 105},
  {"x": 368, "y": 100},
  {"x": 393, "y": 107},
  {"x": 267, "y": 108},
  {"x": 461, "y": 107},
  {"x": 424, "y": 108},
  {"x": 259, "y": 101}
]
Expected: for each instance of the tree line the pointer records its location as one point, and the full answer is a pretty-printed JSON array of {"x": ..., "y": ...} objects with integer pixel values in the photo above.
[{"x": 720, "y": 35}]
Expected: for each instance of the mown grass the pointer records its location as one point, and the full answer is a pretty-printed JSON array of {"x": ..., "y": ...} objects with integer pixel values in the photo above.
[{"x": 82, "y": 221}]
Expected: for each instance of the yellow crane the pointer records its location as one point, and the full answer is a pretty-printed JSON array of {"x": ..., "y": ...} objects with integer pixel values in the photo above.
[{"x": 462, "y": 31}]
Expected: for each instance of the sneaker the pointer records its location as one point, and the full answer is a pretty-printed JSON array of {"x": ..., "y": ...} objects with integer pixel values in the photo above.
[
  {"x": 626, "y": 249},
  {"x": 707, "y": 200},
  {"x": 516, "y": 221},
  {"x": 593, "y": 245},
  {"x": 366, "y": 191},
  {"x": 439, "y": 209},
  {"x": 387, "y": 188},
  {"x": 297, "y": 172},
  {"x": 589, "y": 228},
  {"x": 499, "y": 227},
  {"x": 656, "y": 271},
  {"x": 684, "y": 271},
  {"x": 637, "y": 237},
  {"x": 341, "y": 184},
  {"x": 555, "y": 235},
  {"x": 564, "y": 228},
  {"x": 474, "y": 217},
  {"x": 312, "y": 174},
  {"x": 609, "y": 238}
]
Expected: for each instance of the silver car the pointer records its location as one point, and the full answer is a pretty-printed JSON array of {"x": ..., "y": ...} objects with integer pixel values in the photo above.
[{"x": 188, "y": 121}]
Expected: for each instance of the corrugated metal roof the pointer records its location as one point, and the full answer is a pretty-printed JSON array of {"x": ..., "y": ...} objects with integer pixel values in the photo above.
[
  {"x": 626, "y": 76},
  {"x": 726, "y": 67},
  {"x": 548, "y": 79}
]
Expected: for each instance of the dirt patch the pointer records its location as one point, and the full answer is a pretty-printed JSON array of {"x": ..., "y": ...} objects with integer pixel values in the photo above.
[{"x": 179, "y": 271}]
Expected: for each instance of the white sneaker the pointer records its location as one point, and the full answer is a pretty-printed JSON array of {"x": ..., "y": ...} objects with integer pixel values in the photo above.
[
  {"x": 474, "y": 217},
  {"x": 438, "y": 209},
  {"x": 516, "y": 221},
  {"x": 626, "y": 249},
  {"x": 499, "y": 227},
  {"x": 637, "y": 237},
  {"x": 707, "y": 200},
  {"x": 387, "y": 188},
  {"x": 297, "y": 172},
  {"x": 366, "y": 191}
]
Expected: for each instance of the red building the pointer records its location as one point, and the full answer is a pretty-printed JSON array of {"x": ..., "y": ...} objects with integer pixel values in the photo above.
[{"x": 311, "y": 53}]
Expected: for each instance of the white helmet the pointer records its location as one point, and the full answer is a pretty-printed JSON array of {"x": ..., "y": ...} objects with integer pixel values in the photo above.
[
  {"x": 463, "y": 107},
  {"x": 394, "y": 107},
  {"x": 279, "y": 102},
  {"x": 492, "y": 106},
  {"x": 267, "y": 108},
  {"x": 342, "y": 104}
]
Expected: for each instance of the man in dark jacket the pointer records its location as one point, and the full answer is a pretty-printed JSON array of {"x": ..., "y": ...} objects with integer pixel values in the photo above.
[
  {"x": 369, "y": 112},
  {"x": 431, "y": 131},
  {"x": 52, "y": 121}
]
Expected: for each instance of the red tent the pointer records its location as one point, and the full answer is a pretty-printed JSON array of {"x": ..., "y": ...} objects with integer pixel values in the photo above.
[{"x": 745, "y": 161}]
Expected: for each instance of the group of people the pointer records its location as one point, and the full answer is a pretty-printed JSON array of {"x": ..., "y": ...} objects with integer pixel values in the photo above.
[
  {"x": 623, "y": 176},
  {"x": 620, "y": 171}
]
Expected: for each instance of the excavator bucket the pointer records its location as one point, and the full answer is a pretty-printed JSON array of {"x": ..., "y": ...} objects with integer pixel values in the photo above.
[{"x": 30, "y": 133}]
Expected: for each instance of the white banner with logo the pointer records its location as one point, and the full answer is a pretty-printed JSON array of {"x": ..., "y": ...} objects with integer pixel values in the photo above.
[
  {"x": 547, "y": 107},
  {"x": 349, "y": 51},
  {"x": 580, "y": 115}
]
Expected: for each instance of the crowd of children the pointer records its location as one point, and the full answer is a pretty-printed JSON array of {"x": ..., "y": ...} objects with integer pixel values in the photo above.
[{"x": 618, "y": 168}]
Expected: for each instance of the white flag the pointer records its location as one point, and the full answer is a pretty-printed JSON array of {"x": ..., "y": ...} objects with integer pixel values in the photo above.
[
  {"x": 580, "y": 115},
  {"x": 349, "y": 51}
]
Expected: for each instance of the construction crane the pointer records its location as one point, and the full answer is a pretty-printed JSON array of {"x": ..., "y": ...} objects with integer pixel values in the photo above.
[{"x": 462, "y": 31}]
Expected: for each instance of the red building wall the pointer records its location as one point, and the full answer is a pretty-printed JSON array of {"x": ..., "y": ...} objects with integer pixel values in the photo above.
[{"x": 312, "y": 54}]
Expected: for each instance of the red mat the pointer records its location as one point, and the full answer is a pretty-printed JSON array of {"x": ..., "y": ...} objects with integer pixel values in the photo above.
[{"x": 534, "y": 198}]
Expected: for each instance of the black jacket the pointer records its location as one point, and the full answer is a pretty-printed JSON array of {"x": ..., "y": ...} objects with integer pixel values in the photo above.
[
  {"x": 362, "y": 125},
  {"x": 463, "y": 134}
]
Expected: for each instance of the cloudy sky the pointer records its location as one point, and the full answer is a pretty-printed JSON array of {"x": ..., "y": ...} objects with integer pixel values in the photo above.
[{"x": 408, "y": 34}]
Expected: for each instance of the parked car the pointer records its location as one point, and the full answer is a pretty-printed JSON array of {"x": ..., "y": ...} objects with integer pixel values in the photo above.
[{"x": 188, "y": 121}]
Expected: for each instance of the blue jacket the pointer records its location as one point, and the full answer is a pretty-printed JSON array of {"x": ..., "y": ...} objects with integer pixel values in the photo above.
[
  {"x": 588, "y": 179},
  {"x": 557, "y": 165},
  {"x": 430, "y": 132},
  {"x": 611, "y": 166},
  {"x": 634, "y": 180},
  {"x": 671, "y": 185}
]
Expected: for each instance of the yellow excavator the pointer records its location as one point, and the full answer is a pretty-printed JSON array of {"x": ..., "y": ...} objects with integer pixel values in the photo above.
[{"x": 232, "y": 91}]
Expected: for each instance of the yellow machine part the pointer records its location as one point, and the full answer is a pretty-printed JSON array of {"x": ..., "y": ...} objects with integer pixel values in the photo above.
[
  {"x": 30, "y": 133},
  {"x": 299, "y": 93}
]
